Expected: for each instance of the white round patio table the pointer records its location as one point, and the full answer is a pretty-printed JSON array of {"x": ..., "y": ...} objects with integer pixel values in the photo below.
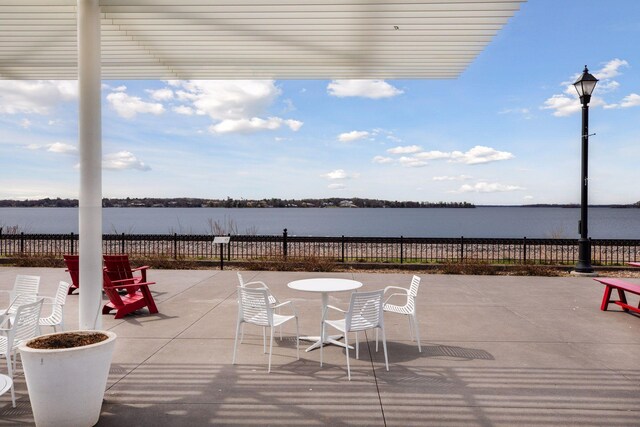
[{"x": 324, "y": 287}]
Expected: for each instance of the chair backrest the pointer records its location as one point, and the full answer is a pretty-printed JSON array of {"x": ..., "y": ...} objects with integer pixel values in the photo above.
[
  {"x": 118, "y": 267},
  {"x": 254, "y": 307},
  {"x": 26, "y": 284},
  {"x": 59, "y": 300},
  {"x": 73, "y": 266},
  {"x": 365, "y": 311},
  {"x": 25, "y": 324},
  {"x": 413, "y": 291},
  {"x": 25, "y": 291}
]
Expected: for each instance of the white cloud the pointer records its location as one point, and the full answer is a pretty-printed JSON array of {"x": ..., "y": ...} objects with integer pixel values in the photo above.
[
  {"x": 60, "y": 147},
  {"x": 452, "y": 178},
  {"x": 25, "y": 123},
  {"x": 354, "y": 135},
  {"x": 373, "y": 89},
  {"x": 339, "y": 174},
  {"x": 528, "y": 198},
  {"x": 128, "y": 106},
  {"x": 433, "y": 155},
  {"x": 123, "y": 160},
  {"x": 336, "y": 186},
  {"x": 562, "y": 105},
  {"x": 411, "y": 162},
  {"x": 480, "y": 154},
  {"x": 230, "y": 99},
  {"x": 486, "y": 187},
  {"x": 632, "y": 100},
  {"x": 610, "y": 69},
  {"x": 234, "y": 105},
  {"x": 474, "y": 156},
  {"x": 382, "y": 160},
  {"x": 407, "y": 149},
  {"x": 56, "y": 147},
  {"x": 254, "y": 124},
  {"x": 164, "y": 94},
  {"x": 35, "y": 96},
  {"x": 524, "y": 112},
  {"x": 184, "y": 110}
]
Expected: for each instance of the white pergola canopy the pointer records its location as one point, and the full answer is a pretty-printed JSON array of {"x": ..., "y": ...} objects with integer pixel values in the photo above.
[
  {"x": 92, "y": 40},
  {"x": 238, "y": 39}
]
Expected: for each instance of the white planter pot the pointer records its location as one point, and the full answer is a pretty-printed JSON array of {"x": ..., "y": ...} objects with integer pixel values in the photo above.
[{"x": 66, "y": 386}]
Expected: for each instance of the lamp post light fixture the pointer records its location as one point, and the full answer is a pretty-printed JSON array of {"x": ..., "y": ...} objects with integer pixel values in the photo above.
[{"x": 585, "y": 85}]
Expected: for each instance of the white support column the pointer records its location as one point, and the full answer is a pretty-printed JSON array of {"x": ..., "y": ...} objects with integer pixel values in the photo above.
[{"x": 90, "y": 135}]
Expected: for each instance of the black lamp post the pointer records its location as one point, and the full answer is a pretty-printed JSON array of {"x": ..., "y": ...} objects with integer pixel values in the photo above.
[{"x": 585, "y": 85}]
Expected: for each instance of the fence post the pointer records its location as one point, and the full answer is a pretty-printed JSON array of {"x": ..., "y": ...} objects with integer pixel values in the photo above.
[
  {"x": 71, "y": 246},
  {"x": 1, "y": 240},
  {"x": 461, "y": 248},
  {"x": 175, "y": 246},
  {"x": 524, "y": 250},
  {"x": 122, "y": 245},
  {"x": 229, "y": 248},
  {"x": 401, "y": 249},
  {"x": 284, "y": 242},
  {"x": 22, "y": 242},
  {"x": 342, "y": 248}
]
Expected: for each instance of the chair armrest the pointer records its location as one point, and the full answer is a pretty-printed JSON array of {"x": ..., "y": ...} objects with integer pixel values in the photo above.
[
  {"x": 326, "y": 310},
  {"x": 131, "y": 282},
  {"x": 406, "y": 295},
  {"x": 144, "y": 267},
  {"x": 405, "y": 290},
  {"x": 282, "y": 304}
]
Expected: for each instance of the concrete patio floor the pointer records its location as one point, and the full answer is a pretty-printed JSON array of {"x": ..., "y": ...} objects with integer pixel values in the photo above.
[{"x": 496, "y": 351}]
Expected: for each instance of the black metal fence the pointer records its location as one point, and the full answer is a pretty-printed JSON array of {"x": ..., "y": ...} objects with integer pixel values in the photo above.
[{"x": 421, "y": 250}]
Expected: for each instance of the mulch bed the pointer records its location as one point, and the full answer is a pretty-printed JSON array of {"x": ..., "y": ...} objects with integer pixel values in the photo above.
[{"x": 66, "y": 340}]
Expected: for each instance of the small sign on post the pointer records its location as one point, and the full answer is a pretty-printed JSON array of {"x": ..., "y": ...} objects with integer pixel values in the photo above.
[{"x": 221, "y": 240}]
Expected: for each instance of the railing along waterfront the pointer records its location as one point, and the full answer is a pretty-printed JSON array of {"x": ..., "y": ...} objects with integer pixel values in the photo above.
[{"x": 344, "y": 249}]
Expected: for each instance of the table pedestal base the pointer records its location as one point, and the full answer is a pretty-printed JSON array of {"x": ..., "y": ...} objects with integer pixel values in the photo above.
[{"x": 329, "y": 339}]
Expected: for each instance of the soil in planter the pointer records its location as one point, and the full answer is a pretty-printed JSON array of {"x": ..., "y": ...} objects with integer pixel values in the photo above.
[{"x": 66, "y": 340}]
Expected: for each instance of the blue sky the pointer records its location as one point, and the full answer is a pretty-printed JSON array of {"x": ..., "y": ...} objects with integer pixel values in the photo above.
[{"x": 507, "y": 131}]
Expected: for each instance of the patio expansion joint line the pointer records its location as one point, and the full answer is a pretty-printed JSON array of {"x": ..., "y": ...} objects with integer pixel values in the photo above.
[{"x": 375, "y": 378}]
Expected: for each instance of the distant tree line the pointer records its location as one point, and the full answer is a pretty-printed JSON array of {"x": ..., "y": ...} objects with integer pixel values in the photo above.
[{"x": 184, "y": 202}]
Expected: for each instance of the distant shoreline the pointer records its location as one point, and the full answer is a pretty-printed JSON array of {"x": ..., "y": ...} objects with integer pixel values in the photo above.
[
  {"x": 330, "y": 203},
  {"x": 184, "y": 202}
]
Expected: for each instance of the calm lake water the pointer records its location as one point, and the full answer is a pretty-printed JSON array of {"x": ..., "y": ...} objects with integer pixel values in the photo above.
[{"x": 478, "y": 222}]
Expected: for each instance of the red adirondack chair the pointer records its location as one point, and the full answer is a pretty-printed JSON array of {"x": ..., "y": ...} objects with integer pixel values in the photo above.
[
  {"x": 119, "y": 268},
  {"x": 137, "y": 297},
  {"x": 73, "y": 267}
]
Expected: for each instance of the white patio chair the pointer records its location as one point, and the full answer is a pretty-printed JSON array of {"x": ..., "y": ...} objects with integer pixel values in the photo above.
[
  {"x": 407, "y": 309},
  {"x": 56, "y": 317},
  {"x": 365, "y": 312},
  {"x": 272, "y": 300},
  {"x": 25, "y": 291},
  {"x": 254, "y": 308},
  {"x": 23, "y": 328}
]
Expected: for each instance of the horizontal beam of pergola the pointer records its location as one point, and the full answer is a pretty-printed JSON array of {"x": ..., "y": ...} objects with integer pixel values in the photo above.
[{"x": 231, "y": 39}]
